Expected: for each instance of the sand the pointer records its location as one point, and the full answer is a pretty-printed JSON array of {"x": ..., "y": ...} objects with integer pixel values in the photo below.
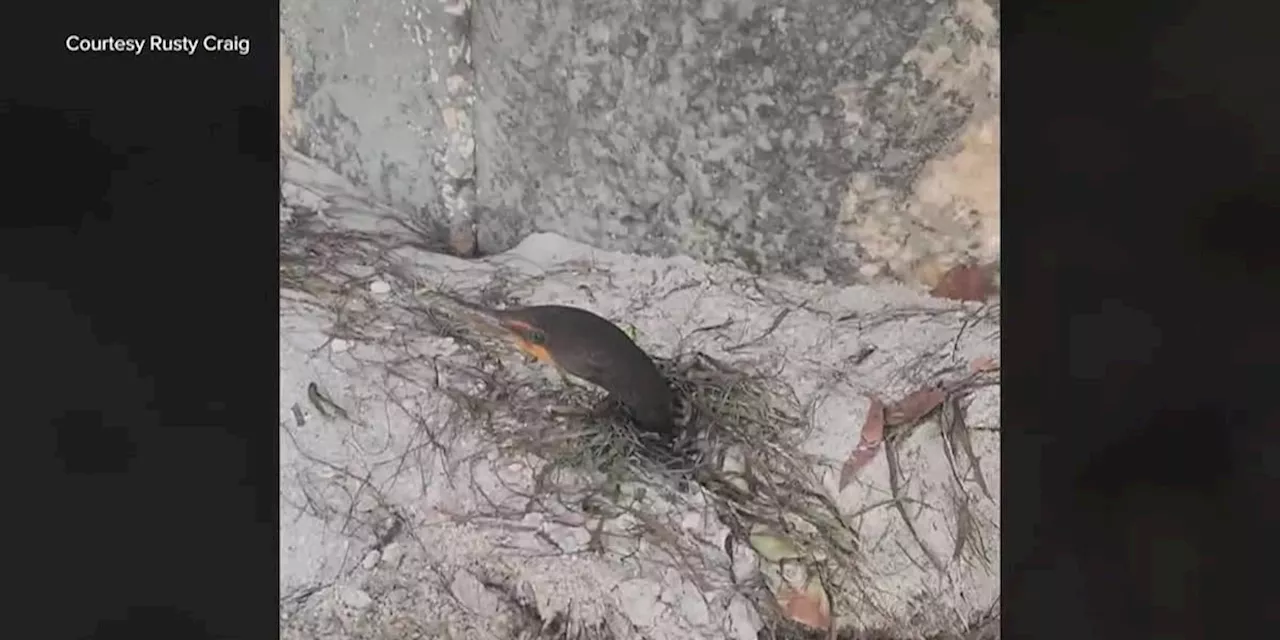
[{"x": 380, "y": 533}]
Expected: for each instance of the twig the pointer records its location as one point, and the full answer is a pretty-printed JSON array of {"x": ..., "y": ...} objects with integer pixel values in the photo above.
[
  {"x": 891, "y": 455},
  {"x": 773, "y": 326}
]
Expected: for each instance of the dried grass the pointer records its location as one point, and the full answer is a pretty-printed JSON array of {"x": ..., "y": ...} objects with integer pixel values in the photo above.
[{"x": 740, "y": 460}]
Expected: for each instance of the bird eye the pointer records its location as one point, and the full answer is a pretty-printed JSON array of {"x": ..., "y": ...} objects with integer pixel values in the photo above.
[{"x": 537, "y": 337}]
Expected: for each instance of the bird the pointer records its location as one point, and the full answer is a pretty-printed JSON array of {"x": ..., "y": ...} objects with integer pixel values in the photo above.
[{"x": 583, "y": 345}]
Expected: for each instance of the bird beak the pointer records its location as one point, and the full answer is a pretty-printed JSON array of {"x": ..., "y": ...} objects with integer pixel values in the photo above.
[
  {"x": 486, "y": 321},
  {"x": 496, "y": 324},
  {"x": 499, "y": 324}
]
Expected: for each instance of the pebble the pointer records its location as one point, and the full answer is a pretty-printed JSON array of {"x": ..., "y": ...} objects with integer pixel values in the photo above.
[
  {"x": 371, "y": 559},
  {"x": 533, "y": 520},
  {"x": 339, "y": 345},
  {"x": 379, "y": 287},
  {"x": 392, "y": 553},
  {"x": 692, "y": 521},
  {"x": 354, "y": 598},
  {"x": 472, "y": 594}
]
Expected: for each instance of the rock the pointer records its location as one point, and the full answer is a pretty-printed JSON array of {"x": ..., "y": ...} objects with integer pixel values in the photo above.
[
  {"x": 472, "y": 594},
  {"x": 803, "y": 136},
  {"x": 354, "y": 598}
]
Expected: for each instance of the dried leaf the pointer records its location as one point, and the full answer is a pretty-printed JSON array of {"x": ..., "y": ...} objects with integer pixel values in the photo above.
[
  {"x": 966, "y": 282},
  {"x": 861, "y": 456},
  {"x": 773, "y": 548},
  {"x": 984, "y": 364},
  {"x": 868, "y": 444},
  {"x": 873, "y": 425},
  {"x": 964, "y": 523},
  {"x": 809, "y": 606},
  {"x": 915, "y": 406}
]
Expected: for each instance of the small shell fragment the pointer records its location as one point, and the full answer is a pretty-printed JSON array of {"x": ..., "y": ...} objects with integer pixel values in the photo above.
[{"x": 773, "y": 548}]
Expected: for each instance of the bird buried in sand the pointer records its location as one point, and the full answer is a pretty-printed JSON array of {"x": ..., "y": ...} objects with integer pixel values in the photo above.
[{"x": 584, "y": 345}]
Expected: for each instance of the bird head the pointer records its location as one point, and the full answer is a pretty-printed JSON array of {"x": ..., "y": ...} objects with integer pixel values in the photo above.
[
  {"x": 516, "y": 326},
  {"x": 529, "y": 338}
]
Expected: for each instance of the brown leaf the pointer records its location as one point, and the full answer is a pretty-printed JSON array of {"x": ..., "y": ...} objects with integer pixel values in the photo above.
[
  {"x": 915, "y": 406},
  {"x": 809, "y": 606},
  {"x": 868, "y": 444},
  {"x": 966, "y": 282},
  {"x": 873, "y": 424},
  {"x": 984, "y": 364},
  {"x": 862, "y": 455}
]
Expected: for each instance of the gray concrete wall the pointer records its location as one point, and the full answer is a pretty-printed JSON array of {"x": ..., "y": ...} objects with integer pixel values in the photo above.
[{"x": 843, "y": 140}]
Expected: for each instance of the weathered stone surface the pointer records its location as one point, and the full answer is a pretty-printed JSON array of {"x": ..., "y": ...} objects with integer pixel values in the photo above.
[
  {"x": 727, "y": 130},
  {"x": 382, "y": 93},
  {"x": 406, "y": 449},
  {"x": 825, "y": 138}
]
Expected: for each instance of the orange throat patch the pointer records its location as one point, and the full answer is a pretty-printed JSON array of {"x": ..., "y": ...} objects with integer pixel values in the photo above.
[
  {"x": 529, "y": 349},
  {"x": 534, "y": 351}
]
